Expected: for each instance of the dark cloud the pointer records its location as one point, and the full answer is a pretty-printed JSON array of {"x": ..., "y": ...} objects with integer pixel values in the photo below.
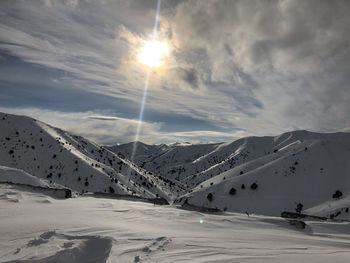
[
  {"x": 292, "y": 54},
  {"x": 190, "y": 76},
  {"x": 228, "y": 49}
]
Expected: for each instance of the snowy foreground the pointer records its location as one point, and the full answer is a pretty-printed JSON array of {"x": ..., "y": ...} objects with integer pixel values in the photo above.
[{"x": 38, "y": 228}]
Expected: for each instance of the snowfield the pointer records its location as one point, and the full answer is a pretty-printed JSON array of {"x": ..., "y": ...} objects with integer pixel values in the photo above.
[
  {"x": 39, "y": 228},
  {"x": 112, "y": 217}
]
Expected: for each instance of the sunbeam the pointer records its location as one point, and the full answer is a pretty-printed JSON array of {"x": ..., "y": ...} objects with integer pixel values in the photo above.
[{"x": 144, "y": 97}]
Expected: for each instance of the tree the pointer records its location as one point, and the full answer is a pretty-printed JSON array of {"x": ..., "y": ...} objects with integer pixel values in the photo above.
[
  {"x": 111, "y": 190},
  {"x": 210, "y": 197},
  {"x": 254, "y": 186},
  {"x": 337, "y": 194},
  {"x": 299, "y": 208},
  {"x": 232, "y": 191}
]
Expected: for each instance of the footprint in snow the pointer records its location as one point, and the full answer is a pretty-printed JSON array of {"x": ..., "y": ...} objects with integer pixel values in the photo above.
[
  {"x": 154, "y": 245},
  {"x": 75, "y": 248}
]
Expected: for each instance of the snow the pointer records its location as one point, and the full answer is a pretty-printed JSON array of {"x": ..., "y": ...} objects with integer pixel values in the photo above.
[
  {"x": 175, "y": 162},
  {"x": 307, "y": 172},
  {"x": 192, "y": 165},
  {"x": 18, "y": 176},
  {"x": 291, "y": 169},
  {"x": 88, "y": 229},
  {"x": 72, "y": 161},
  {"x": 336, "y": 208},
  {"x": 298, "y": 171}
]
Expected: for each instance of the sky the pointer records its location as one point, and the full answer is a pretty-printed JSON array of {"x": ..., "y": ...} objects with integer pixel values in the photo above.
[{"x": 234, "y": 69}]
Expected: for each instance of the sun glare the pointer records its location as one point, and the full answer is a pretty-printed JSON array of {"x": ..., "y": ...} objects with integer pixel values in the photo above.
[{"x": 153, "y": 53}]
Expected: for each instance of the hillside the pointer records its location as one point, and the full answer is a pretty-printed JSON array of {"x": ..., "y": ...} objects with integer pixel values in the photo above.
[
  {"x": 194, "y": 164},
  {"x": 144, "y": 152},
  {"x": 72, "y": 161},
  {"x": 17, "y": 176},
  {"x": 175, "y": 162},
  {"x": 294, "y": 171}
]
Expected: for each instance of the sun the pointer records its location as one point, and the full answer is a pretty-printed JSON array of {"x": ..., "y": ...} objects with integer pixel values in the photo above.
[{"x": 153, "y": 53}]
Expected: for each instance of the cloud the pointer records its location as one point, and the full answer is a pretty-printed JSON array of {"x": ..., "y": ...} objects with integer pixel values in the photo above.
[
  {"x": 264, "y": 67},
  {"x": 206, "y": 136},
  {"x": 280, "y": 60},
  {"x": 70, "y": 3},
  {"x": 101, "y": 128},
  {"x": 104, "y": 118},
  {"x": 106, "y": 129},
  {"x": 189, "y": 76}
]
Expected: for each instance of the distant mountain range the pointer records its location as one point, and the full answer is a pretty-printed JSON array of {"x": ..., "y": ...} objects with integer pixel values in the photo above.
[
  {"x": 294, "y": 171},
  {"x": 297, "y": 171}
]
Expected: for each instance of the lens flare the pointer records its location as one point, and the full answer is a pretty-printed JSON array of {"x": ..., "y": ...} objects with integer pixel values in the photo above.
[
  {"x": 144, "y": 97},
  {"x": 153, "y": 53}
]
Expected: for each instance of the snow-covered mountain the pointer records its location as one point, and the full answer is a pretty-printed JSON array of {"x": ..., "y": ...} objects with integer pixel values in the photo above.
[
  {"x": 267, "y": 175},
  {"x": 144, "y": 152},
  {"x": 294, "y": 171},
  {"x": 175, "y": 162},
  {"x": 72, "y": 161}
]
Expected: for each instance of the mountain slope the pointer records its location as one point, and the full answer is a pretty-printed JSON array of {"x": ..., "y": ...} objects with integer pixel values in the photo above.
[
  {"x": 304, "y": 170},
  {"x": 143, "y": 151},
  {"x": 72, "y": 161},
  {"x": 295, "y": 171},
  {"x": 17, "y": 176},
  {"x": 174, "y": 162}
]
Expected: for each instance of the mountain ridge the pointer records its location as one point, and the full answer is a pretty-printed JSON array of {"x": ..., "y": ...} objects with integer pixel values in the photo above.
[
  {"x": 294, "y": 171},
  {"x": 73, "y": 161}
]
